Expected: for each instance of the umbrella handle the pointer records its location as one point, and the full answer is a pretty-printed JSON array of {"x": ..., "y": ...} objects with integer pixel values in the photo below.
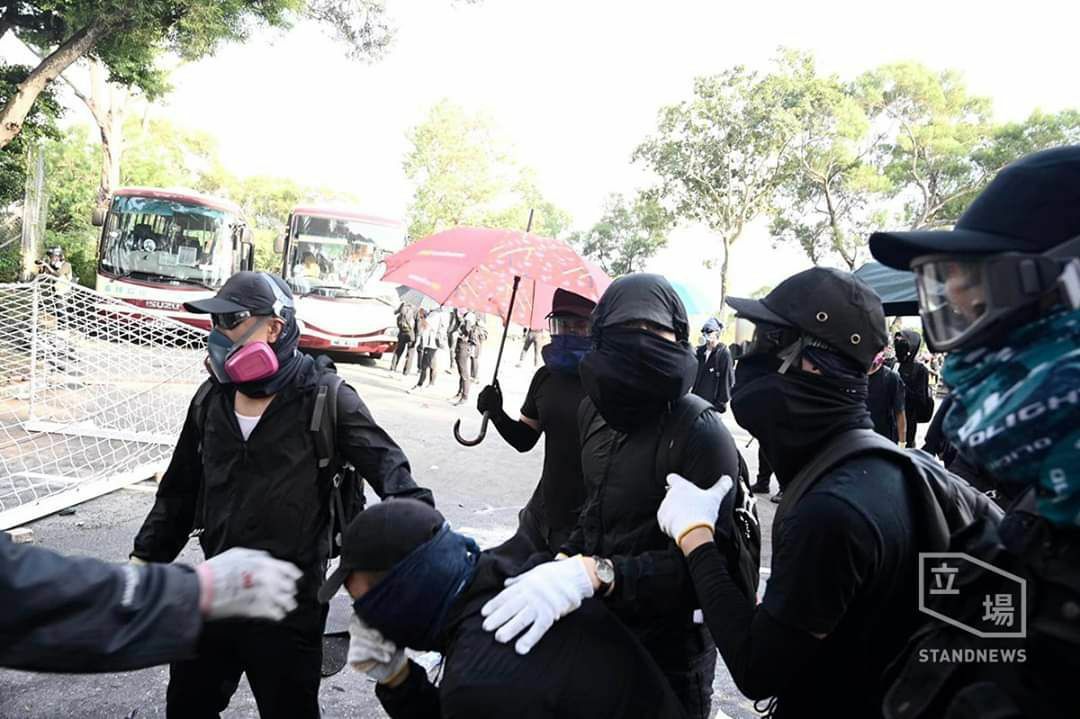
[{"x": 479, "y": 437}]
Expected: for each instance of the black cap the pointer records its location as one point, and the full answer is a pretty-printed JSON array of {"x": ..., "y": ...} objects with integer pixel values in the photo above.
[
  {"x": 1030, "y": 206},
  {"x": 243, "y": 291},
  {"x": 565, "y": 302},
  {"x": 833, "y": 306},
  {"x": 380, "y": 537}
]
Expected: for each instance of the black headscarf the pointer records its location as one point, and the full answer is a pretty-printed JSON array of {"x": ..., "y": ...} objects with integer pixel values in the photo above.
[{"x": 641, "y": 296}]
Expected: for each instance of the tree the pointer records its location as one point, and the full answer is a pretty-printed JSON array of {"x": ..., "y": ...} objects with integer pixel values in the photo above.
[
  {"x": 830, "y": 198},
  {"x": 936, "y": 128},
  {"x": 71, "y": 174},
  {"x": 40, "y": 124},
  {"x": 464, "y": 174},
  {"x": 627, "y": 235},
  {"x": 721, "y": 155}
]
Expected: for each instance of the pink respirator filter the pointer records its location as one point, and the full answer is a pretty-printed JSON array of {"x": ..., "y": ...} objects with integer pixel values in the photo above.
[{"x": 252, "y": 362}]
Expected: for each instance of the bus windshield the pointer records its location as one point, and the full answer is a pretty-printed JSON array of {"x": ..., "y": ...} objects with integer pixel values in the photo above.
[
  {"x": 157, "y": 239},
  {"x": 339, "y": 257}
]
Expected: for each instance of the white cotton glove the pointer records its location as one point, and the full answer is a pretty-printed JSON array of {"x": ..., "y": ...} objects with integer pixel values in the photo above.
[
  {"x": 372, "y": 653},
  {"x": 248, "y": 584},
  {"x": 535, "y": 600},
  {"x": 687, "y": 507}
]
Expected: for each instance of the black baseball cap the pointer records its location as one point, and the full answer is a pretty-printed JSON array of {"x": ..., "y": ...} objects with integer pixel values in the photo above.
[
  {"x": 565, "y": 302},
  {"x": 1030, "y": 206},
  {"x": 833, "y": 306},
  {"x": 243, "y": 291},
  {"x": 380, "y": 537}
]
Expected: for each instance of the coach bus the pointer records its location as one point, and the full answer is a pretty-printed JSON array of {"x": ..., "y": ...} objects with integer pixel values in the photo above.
[
  {"x": 161, "y": 248},
  {"x": 332, "y": 259}
]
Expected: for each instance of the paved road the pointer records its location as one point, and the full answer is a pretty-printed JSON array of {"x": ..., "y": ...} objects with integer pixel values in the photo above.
[{"x": 479, "y": 490}]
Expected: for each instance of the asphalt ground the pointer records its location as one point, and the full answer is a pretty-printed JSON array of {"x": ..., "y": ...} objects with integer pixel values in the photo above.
[{"x": 480, "y": 490}]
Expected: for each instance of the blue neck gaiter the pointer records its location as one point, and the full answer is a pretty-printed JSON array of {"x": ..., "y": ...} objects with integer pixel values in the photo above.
[
  {"x": 564, "y": 353},
  {"x": 1016, "y": 413},
  {"x": 410, "y": 604}
]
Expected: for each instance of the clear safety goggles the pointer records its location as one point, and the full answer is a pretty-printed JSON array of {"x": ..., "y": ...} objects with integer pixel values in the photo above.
[
  {"x": 960, "y": 296},
  {"x": 768, "y": 339},
  {"x": 569, "y": 325}
]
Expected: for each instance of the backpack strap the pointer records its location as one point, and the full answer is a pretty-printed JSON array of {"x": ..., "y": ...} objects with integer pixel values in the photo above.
[
  {"x": 675, "y": 432},
  {"x": 199, "y": 405},
  {"x": 324, "y": 417}
]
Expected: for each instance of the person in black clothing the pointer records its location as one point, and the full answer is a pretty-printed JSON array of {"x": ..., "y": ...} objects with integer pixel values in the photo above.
[
  {"x": 714, "y": 373},
  {"x": 840, "y": 602},
  {"x": 78, "y": 614},
  {"x": 406, "y": 338},
  {"x": 550, "y": 408},
  {"x": 764, "y": 473},
  {"x": 418, "y": 584},
  {"x": 886, "y": 400},
  {"x": 640, "y": 365},
  {"x": 916, "y": 378},
  {"x": 532, "y": 339},
  {"x": 250, "y": 477}
]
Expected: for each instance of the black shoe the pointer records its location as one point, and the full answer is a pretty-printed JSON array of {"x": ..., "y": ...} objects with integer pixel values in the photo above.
[
  {"x": 777, "y": 498},
  {"x": 760, "y": 488}
]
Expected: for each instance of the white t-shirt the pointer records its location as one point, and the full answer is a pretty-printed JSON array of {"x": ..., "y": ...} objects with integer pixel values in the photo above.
[{"x": 247, "y": 424}]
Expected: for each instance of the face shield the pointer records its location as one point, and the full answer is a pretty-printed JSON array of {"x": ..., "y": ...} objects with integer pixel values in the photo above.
[{"x": 964, "y": 299}]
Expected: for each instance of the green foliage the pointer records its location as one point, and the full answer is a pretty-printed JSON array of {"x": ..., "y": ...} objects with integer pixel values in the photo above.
[
  {"x": 159, "y": 154},
  {"x": 39, "y": 125},
  {"x": 627, "y": 235},
  {"x": 464, "y": 174},
  {"x": 71, "y": 177}
]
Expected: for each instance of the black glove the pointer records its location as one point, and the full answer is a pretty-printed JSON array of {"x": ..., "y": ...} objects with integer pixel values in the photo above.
[
  {"x": 721, "y": 407},
  {"x": 490, "y": 401}
]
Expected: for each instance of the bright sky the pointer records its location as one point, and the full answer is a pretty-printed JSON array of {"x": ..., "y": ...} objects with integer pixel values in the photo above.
[{"x": 575, "y": 85}]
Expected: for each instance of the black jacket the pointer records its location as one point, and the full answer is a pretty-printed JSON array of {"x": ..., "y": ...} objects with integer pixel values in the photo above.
[
  {"x": 77, "y": 614},
  {"x": 653, "y": 595},
  {"x": 714, "y": 376},
  {"x": 587, "y": 665},
  {"x": 267, "y": 493}
]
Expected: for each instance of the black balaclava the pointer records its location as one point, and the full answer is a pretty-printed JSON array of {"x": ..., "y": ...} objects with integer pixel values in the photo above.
[
  {"x": 795, "y": 414},
  {"x": 907, "y": 344},
  {"x": 632, "y": 374}
]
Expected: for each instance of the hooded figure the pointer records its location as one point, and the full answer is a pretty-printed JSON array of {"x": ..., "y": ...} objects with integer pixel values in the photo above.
[
  {"x": 417, "y": 583},
  {"x": 640, "y": 366},
  {"x": 715, "y": 372},
  {"x": 919, "y": 403}
]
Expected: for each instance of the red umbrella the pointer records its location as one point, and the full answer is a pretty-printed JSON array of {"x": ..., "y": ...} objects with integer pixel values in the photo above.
[{"x": 506, "y": 272}]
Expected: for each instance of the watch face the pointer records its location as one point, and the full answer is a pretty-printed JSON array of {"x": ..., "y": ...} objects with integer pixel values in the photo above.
[{"x": 605, "y": 571}]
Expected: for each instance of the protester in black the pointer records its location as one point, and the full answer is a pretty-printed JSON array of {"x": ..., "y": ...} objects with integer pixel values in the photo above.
[
  {"x": 886, "y": 400},
  {"x": 919, "y": 402},
  {"x": 764, "y": 474},
  {"x": 840, "y": 601},
  {"x": 406, "y": 338},
  {"x": 418, "y": 584},
  {"x": 714, "y": 373},
  {"x": 640, "y": 365},
  {"x": 250, "y": 478},
  {"x": 551, "y": 409}
]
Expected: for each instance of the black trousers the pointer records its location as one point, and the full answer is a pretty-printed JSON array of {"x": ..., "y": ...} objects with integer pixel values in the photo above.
[
  {"x": 474, "y": 364},
  {"x": 282, "y": 662},
  {"x": 464, "y": 359},
  {"x": 912, "y": 428},
  {"x": 694, "y": 684},
  {"x": 427, "y": 366},
  {"x": 530, "y": 341},
  {"x": 403, "y": 348}
]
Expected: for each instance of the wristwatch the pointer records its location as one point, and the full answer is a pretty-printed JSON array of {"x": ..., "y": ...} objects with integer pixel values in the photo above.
[{"x": 605, "y": 572}]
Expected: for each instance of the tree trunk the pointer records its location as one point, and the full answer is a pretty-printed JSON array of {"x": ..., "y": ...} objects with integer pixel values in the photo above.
[
  {"x": 724, "y": 264},
  {"x": 16, "y": 109},
  {"x": 108, "y": 106}
]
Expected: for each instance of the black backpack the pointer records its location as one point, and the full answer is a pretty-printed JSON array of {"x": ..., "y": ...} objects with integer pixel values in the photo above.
[
  {"x": 743, "y": 553},
  {"x": 346, "y": 485}
]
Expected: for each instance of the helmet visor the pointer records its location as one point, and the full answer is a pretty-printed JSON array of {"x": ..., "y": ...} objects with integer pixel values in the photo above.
[{"x": 954, "y": 298}]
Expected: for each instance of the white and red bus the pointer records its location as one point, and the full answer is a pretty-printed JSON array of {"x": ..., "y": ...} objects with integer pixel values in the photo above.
[
  {"x": 162, "y": 248},
  {"x": 332, "y": 259}
]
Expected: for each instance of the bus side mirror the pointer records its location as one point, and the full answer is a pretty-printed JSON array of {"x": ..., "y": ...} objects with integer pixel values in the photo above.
[
  {"x": 97, "y": 218},
  {"x": 247, "y": 255},
  {"x": 279, "y": 244}
]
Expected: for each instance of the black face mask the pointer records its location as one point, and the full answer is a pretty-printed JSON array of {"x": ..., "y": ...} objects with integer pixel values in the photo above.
[
  {"x": 633, "y": 374},
  {"x": 794, "y": 415}
]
